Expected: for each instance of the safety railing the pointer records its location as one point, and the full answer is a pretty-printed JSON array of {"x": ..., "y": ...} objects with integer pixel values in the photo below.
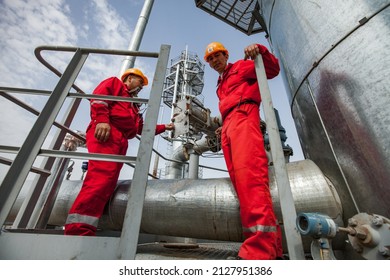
[
  {"x": 294, "y": 241},
  {"x": 32, "y": 146}
]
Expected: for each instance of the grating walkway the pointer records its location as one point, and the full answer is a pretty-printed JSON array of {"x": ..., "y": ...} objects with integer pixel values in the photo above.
[{"x": 183, "y": 251}]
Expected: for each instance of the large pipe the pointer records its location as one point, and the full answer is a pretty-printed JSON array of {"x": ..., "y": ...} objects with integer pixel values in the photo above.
[{"x": 202, "y": 209}]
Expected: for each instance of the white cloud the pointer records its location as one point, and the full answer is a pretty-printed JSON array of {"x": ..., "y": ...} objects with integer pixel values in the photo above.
[
  {"x": 25, "y": 25},
  {"x": 17, "y": 119},
  {"x": 113, "y": 30}
]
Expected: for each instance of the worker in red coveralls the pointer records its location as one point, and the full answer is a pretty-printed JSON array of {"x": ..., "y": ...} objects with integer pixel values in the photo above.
[
  {"x": 243, "y": 147},
  {"x": 112, "y": 124}
]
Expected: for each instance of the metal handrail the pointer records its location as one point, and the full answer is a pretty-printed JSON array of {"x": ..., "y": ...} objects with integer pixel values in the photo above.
[
  {"x": 39, "y": 49},
  {"x": 293, "y": 238},
  {"x": 31, "y": 109},
  {"x": 46, "y": 118},
  {"x": 39, "y": 171}
]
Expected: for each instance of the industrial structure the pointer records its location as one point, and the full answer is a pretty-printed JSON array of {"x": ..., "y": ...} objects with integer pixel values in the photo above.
[{"x": 332, "y": 205}]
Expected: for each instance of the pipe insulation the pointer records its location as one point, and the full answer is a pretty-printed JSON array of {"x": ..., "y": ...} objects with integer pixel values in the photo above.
[{"x": 201, "y": 208}]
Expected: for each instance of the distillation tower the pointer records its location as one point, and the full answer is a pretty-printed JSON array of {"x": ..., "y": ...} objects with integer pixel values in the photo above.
[{"x": 194, "y": 127}]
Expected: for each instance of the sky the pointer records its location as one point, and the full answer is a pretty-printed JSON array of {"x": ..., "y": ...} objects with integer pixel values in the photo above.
[{"x": 25, "y": 25}]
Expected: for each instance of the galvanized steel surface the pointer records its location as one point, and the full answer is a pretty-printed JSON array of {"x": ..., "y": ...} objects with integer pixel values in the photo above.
[
  {"x": 204, "y": 209},
  {"x": 335, "y": 58}
]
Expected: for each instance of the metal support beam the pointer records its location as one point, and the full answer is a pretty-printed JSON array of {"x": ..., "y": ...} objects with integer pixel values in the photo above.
[
  {"x": 35, "y": 170},
  {"x": 289, "y": 214},
  {"x": 36, "y": 246},
  {"x": 132, "y": 222}
]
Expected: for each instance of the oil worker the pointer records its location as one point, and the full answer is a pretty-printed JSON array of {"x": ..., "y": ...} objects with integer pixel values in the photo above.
[
  {"x": 243, "y": 146},
  {"x": 112, "y": 124}
]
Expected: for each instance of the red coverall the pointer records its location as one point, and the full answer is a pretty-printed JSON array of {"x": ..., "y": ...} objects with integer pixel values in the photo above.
[
  {"x": 246, "y": 160},
  {"x": 102, "y": 176}
]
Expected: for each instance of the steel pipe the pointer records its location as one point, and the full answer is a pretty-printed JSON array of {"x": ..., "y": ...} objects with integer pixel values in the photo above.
[{"x": 204, "y": 208}]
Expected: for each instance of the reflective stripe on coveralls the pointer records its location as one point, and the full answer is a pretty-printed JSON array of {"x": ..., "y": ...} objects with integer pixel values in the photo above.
[
  {"x": 99, "y": 183},
  {"x": 99, "y": 102},
  {"x": 77, "y": 218},
  {"x": 260, "y": 228},
  {"x": 102, "y": 176},
  {"x": 247, "y": 164},
  {"x": 244, "y": 152}
]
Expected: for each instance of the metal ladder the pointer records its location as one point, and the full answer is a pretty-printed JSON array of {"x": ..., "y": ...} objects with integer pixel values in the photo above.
[{"x": 12, "y": 244}]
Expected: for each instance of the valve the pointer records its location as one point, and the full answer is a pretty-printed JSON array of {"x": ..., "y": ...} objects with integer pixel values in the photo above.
[
  {"x": 322, "y": 229},
  {"x": 316, "y": 225},
  {"x": 368, "y": 234}
]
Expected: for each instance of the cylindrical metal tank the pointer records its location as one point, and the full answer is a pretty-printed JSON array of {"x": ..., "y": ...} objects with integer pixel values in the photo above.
[{"x": 335, "y": 58}]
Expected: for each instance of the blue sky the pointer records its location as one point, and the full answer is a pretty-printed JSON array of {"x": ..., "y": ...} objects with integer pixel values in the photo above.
[{"x": 24, "y": 25}]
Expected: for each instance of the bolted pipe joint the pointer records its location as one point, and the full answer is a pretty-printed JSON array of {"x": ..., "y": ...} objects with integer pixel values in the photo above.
[
  {"x": 377, "y": 220},
  {"x": 369, "y": 235}
]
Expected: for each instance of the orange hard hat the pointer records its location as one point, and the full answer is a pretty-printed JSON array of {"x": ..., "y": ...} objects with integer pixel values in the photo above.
[
  {"x": 213, "y": 48},
  {"x": 137, "y": 72}
]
